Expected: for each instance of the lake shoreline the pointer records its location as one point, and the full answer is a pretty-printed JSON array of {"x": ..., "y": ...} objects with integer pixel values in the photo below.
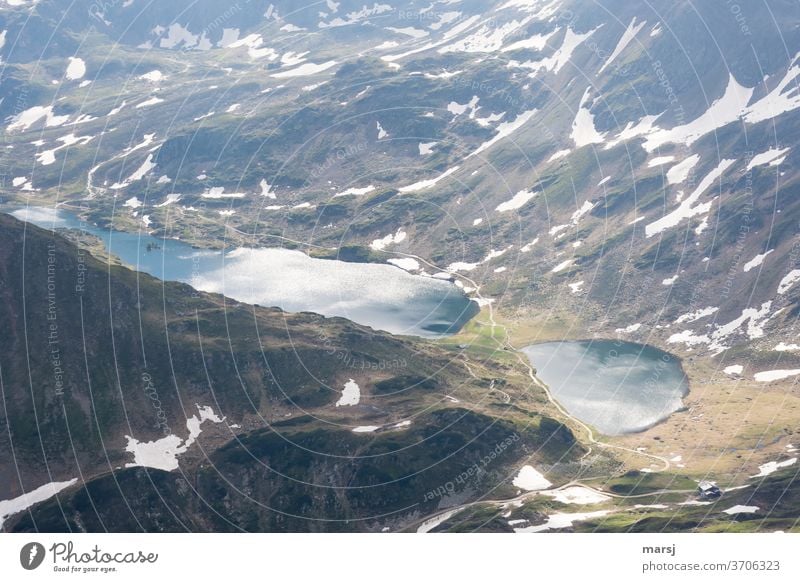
[
  {"x": 618, "y": 387},
  {"x": 377, "y": 295}
]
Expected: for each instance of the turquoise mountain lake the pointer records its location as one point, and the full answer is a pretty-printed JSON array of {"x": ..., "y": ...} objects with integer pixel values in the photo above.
[
  {"x": 616, "y": 387},
  {"x": 383, "y": 297}
]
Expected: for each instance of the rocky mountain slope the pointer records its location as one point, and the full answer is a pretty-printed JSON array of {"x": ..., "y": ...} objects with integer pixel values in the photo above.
[
  {"x": 244, "y": 418},
  {"x": 597, "y": 161},
  {"x": 612, "y": 169}
]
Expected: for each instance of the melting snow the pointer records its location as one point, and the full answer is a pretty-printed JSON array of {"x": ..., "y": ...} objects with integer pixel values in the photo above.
[
  {"x": 735, "y": 370},
  {"x": 19, "y": 504},
  {"x": 779, "y": 100},
  {"x": 504, "y": 130},
  {"x": 365, "y": 429},
  {"x": 720, "y": 113},
  {"x": 699, "y": 314},
  {"x": 773, "y": 375},
  {"x": 583, "y": 129},
  {"x": 559, "y": 154},
  {"x": 218, "y": 193},
  {"x": 457, "y": 108},
  {"x": 426, "y": 184},
  {"x": 732, "y": 106},
  {"x": 631, "y": 32},
  {"x": 390, "y": 239},
  {"x": 788, "y": 281},
  {"x": 630, "y": 329},
  {"x": 772, "y": 466},
  {"x": 660, "y": 161},
  {"x": 756, "y": 261},
  {"x": 741, "y": 509},
  {"x": 266, "y": 190},
  {"x": 632, "y": 130},
  {"x": 48, "y": 157},
  {"x": 150, "y": 102},
  {"x": 27, "y": 118},
  {"x": 170, "y": 199},
  {"x": 535, "y": 42},
  {"x": 455, "y": 267},
  {"x": 356, "y": 192},
  {"x": 773, "y": 157},
  {"x": 163, "y": 453},
  {"x": 530, "y": 479},
  {"x": 76, "y": 69},
  {"x": 688, "y": 338},
  {"x": 427, "y": 148},
  {"x": 486, "y": 39},
  {"x": 153, "y": 76},
  {"x": 351, "y": 395},
  {"x": 561, "y": 266},
  {"x": 581, "y": 212},
  {"x": 255, "y": 48},
  {"x": 687, "y": 208},
  {"x": 143, "y": 170},
  {"x": 561, "y": 57},
  {"x": 679, "y": 172},
  {"x": 519, "y": 200},
  {"x": 305, "y": 70},
  {"x": 561, "y": 521},
  {"x": 576, "y": 287},
  {"x": 434, "y": 522},
  {"x": 407, "y": 31},
  {"x": 782, "y": 347}
]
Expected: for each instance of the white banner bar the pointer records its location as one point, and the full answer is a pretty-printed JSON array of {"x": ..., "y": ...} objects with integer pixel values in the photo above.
[{"x": 401, "y": 557}]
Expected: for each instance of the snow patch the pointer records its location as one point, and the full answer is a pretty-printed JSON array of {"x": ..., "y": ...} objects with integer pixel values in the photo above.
[
  {"x": 679, "y": 172},
  {"x": 76, "y": 69},
  {"x": 351, "y": 395},
  {"x": 772, "y": 466},
  {"x": 741, "y": 509},
  {"x": 583, "y": 130},
  {"x": 773, "y": 375},
  {"x": 390, "y": 239},
  {"x": 519, "y": 200},
  {"x": 427, "y": 184},
  {"x": 362, "y": 429},
  {"x": 24, "y": 502},
  {"x": 772, "y": 157},
  {"x": 163, "y": 453},
  {"x": 576, "y": 288},
  {"x": 687, "y": 208},
  {"x": 788, "y": 281},
  {"x": 529, "y": 479},
  {"x": 629, "y": 34},
  {"x": 356, "y": 191},
  {"x": 756, "y": 261},
  {"x": 504, "y": 130},
  {"x": 305, "y": 70}
]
